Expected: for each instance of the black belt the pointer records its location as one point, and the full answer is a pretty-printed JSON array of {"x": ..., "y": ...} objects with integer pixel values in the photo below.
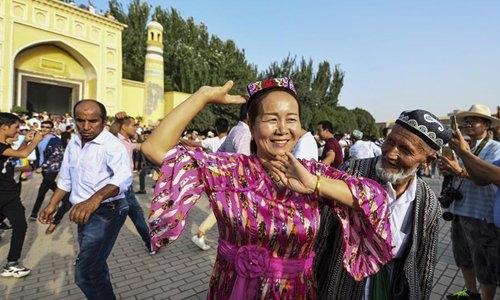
[{"x": 111, "y": 204}]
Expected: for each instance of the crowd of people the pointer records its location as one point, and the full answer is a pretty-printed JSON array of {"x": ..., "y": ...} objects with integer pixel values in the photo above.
[{"x": 300, "y": 214}]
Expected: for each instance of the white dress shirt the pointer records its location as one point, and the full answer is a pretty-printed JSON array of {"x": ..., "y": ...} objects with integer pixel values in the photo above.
[
  {"x": 102, "y": 161},
  {"x": 398, "y": 208}
]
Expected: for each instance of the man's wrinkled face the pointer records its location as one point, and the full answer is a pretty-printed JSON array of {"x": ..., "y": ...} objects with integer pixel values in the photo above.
[{"x": 403, "y": 153}]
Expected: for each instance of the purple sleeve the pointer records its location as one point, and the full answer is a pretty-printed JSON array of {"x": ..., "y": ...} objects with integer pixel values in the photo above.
[
  {"x": 178, "y": 188},
  {"x": 366, "y": 230}
]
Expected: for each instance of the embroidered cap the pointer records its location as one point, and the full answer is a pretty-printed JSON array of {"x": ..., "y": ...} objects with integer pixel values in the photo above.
[
  {"x": 357, "y": 134},
  {"x": 283, "y": 82},
  {"x": 426, "y": 126}
]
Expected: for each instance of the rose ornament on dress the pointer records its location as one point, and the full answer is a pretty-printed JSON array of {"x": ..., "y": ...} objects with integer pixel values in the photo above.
[{"x": 251, "y": 261}]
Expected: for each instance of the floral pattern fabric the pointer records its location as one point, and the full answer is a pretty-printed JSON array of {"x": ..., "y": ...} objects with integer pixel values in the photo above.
[{"x": 251, "y": 210}]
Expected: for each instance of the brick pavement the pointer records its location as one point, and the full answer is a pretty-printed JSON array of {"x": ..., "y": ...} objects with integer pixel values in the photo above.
[{"x": 180, "y": 271}]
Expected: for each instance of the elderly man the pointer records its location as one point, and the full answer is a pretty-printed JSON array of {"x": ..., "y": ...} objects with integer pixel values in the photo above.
[
  {"x": 413, "y": 144},
  {"x": 96, "y": 170},
  {"x": 473, "y": 233}
]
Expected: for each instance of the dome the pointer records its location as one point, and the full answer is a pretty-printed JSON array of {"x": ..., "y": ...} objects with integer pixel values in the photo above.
[{"x": 154, "y": 25}]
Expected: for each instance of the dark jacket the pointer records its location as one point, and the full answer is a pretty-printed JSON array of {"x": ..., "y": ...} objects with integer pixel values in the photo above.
[
  {"x": 333, "y": 280},
  {"x": 53, "y": 156}
]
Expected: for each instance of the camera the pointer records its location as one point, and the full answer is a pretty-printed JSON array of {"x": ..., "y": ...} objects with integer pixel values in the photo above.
[
  {"x": 449, "y": 195},
  {"x": 448, "y": 216}
]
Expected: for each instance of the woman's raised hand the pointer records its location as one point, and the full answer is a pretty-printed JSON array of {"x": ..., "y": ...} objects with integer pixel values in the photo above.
[
  {"x": 220, "y": 94},
  {"x": 293, "y": 174}
]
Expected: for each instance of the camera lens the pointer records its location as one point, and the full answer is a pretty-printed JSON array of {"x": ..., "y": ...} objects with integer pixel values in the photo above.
[{"x": 447, "y": 216}]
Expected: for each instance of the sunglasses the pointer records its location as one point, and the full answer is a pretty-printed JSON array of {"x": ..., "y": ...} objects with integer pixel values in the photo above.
[
  {"x": 472, "y": 121},
  {"x": 46, "y": 127}
]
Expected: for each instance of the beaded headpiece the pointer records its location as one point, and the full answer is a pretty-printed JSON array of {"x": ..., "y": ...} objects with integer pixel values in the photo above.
[{"x": 283, "y": 82}]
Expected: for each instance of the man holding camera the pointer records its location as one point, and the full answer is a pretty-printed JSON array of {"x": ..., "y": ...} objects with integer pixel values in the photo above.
[
  {"x": 473, "y": 232},
  {"x": 412, "y": 145}
]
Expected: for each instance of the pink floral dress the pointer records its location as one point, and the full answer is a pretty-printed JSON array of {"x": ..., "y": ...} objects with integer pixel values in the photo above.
[{"x": 266, "y": 236}]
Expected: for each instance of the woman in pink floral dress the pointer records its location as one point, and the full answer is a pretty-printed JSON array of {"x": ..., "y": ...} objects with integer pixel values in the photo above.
[{"x": 268, "y": 204}]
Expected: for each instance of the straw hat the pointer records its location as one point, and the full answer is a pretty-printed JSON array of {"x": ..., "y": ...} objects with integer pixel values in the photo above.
[{"x": 478, "y": 110}]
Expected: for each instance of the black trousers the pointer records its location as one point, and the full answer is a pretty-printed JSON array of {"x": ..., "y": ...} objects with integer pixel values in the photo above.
[
  {"x": 48, "y": 183},
  {"x": 12, "y": 208}
]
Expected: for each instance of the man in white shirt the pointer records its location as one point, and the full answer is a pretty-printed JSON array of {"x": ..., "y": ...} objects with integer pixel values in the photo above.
[
  {"x": 239, "y": 138},
  {"x": 362, "y": 148},
  {"x": 96, "y": 171},
  {"x": 306, "y": 147}
]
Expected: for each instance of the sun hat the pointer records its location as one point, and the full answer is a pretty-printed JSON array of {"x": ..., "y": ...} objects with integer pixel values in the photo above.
[{"x": 478, "y": 110}]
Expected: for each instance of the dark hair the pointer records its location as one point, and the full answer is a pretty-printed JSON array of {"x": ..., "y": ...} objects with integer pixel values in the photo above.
[
  {"x": 48, "y": 122},
  {"x": 385, "y": 131},
  {"x": 146, "y": 132},
  {"x": 221, "y": 125},
  {"x": 243, "y": 112},
  {"x": 118, "y": 124},
  {"x": 326, "y": 125},
  {"x": 8, "y": 118},
  {"x": 101, "y": 106},
  {"x": 254, "y": 103},
  {"x": 69, "y": 127},
  {"x": 338, "y": 136}
]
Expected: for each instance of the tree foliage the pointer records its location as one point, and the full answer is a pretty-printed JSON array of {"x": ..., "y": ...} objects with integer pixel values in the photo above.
[
  {"x": 317, "y": 91},
  {"x": 133, "y": 37},
  {"x": 193, "y": 57}
]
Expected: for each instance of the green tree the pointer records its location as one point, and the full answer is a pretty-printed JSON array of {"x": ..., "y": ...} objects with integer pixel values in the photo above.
[
  {"x": 365, "y": 122},
  {"x": 193, "y": 57},
  {"x": 133, "y": 37},
  {"x": 316, "y": 91}
]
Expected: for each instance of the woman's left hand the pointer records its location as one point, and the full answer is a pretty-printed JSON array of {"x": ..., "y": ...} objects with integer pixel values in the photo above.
[{"x": 293, "y": 174}]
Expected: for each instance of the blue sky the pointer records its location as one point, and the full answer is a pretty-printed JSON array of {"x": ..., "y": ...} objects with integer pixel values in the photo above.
[{"x": 397, "y": 55}]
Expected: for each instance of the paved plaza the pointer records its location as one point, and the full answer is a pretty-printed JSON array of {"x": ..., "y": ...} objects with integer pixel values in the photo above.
[{"x": 180, "y": 271}]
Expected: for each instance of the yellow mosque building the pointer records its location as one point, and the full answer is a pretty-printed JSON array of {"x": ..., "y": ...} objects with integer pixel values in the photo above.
[{"x": 54, "y": 54}]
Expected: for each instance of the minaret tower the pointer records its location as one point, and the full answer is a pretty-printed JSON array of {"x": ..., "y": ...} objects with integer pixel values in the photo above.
[{"x": 153, "y": 74}]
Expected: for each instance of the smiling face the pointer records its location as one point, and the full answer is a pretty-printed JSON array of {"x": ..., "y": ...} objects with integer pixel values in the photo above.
[
  {"x": 277, "y": 127},
  {"x": 403, "y": 153},
  {"x": 46, "y": 128}
]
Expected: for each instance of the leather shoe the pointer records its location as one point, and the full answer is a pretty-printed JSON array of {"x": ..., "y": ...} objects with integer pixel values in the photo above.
[{"x": 51, "y": 228}]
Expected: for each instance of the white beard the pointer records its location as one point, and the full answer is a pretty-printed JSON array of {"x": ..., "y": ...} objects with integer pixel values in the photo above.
[{"x": 393, "y": 178}]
